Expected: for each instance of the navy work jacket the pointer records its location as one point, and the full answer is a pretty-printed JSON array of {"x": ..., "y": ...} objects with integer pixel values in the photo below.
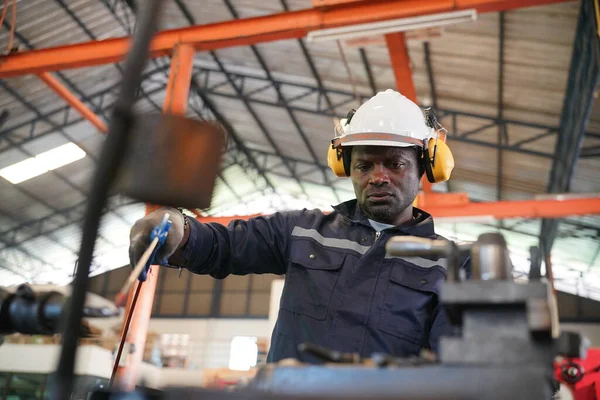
[{"x": 341, "y": 291}]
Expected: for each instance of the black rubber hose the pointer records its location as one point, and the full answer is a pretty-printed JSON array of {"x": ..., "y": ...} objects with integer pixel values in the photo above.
[{"x": 108, "y": 165}]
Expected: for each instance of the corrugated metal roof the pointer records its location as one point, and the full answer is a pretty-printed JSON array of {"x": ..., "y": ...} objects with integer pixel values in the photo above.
[{"x": 464, "y": 61}]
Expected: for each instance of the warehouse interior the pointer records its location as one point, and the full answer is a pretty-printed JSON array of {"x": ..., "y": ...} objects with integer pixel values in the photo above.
[{"x": 514, "y": 82}]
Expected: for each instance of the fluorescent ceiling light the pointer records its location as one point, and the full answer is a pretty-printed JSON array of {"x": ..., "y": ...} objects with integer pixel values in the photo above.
[
  {"x": 42, "y": 163},
  {"x": 62, "y": 155},
  {"x": 396, "y": 25},
  {"x": 23, "y": 170}
]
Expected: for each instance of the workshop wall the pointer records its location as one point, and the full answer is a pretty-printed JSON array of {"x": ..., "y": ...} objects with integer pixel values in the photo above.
[
  {"x": 208, "y": 341},
  {"x": 183, "y": 294},
  {"x": 573, "y": 308}
]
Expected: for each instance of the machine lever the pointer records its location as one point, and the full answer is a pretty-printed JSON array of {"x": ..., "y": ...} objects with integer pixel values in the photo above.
[
  {"x": 412, "y": 246},
  {"x": 329, "y": 355}
]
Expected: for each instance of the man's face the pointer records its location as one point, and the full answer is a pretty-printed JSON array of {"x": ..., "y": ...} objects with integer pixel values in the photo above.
[{"x": 386, "y": 181}]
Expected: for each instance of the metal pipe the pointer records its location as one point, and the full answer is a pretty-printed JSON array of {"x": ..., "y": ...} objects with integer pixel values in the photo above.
[
  {"x": 178, "y": 88},
  {"x": 490, "y": 258},
  {"x": 244, "y": 32}
]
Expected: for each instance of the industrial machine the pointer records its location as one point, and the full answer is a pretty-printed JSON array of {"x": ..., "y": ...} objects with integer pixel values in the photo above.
[{"x": 506, "y": 344}]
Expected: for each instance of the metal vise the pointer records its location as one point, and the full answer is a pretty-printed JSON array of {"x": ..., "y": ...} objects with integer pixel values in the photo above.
[{"x": 499, "y": 321}]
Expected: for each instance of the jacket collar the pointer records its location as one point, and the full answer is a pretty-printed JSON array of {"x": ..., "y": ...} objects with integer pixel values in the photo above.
[{"x": 421, "y": 225}]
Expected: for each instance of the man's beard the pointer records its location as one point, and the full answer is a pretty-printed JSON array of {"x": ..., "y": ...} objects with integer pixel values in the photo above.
[{"x": 387, "y": 215}]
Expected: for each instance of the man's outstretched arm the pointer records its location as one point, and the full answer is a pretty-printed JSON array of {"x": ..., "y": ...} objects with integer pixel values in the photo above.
[{"x": 259, "y": 245}]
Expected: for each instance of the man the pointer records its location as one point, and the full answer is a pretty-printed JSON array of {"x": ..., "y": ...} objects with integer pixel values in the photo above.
[{"x": 341, "y": 291}]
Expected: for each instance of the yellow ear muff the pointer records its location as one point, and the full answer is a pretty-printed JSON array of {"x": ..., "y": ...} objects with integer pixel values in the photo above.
[
  {"x": 438, "y": 166},
  {"x": 335, "y": 160}
]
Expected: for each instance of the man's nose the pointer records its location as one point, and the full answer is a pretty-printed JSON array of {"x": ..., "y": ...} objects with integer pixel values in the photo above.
[{"x": 379, "y": 175}]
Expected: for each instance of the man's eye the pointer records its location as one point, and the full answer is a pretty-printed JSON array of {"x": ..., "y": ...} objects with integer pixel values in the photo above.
[
  {"x": 397, "y": 165},
  {"x": 362, "y": 167}
]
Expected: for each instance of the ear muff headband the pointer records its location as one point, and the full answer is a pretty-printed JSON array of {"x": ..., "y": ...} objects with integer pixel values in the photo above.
[
  {"x": 346, "y": 156},
  {"x": 428, "y": 159}
]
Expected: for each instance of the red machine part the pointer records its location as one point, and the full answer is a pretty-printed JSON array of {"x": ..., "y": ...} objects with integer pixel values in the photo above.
[{"x": 582, "y": 376}]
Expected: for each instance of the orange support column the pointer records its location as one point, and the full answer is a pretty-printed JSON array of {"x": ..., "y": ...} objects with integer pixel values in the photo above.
[
  {"x": 396, "y": 44},
  {"x": 176, "y": 99}
]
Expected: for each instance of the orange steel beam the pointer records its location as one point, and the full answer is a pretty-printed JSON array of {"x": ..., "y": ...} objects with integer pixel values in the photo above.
[
  {"x": 244, "y": 32},
  {"x": 73, "y": 101},
  {"x": 326, "y": 3},
  {"x": 480, "y": 5},
  {"x": 552, "y": 208},
  {"x": 483, "y": 6},
  {"x": 521, "y": 209},
  {"x": 178, "y": 88}
]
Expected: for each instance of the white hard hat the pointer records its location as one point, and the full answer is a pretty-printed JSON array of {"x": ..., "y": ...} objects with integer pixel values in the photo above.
[{"x": 387, "y": 119}]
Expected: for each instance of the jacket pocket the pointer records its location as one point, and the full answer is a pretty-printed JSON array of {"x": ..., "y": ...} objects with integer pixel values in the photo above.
[
  {"x": 311, "y": 276},
  {"x": 409, "y": 301}
]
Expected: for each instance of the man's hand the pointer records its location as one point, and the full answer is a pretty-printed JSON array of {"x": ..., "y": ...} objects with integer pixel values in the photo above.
[{"x": 139, "y": 236}]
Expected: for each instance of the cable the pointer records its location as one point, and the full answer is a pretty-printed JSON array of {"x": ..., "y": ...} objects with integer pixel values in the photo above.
[
  {"x": 124, "y": 335},
  {"x": 108, "y": 165}
]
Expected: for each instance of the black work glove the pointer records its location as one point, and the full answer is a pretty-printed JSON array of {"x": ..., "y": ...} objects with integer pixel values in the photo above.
[{"x": 139, "y": 236}]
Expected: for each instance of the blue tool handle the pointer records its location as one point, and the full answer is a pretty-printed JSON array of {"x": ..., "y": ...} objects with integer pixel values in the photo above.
[{"x": 160, "y": 231}]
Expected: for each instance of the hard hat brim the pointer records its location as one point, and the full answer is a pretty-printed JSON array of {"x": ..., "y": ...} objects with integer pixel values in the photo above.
[
  {"x": 384, "y": 143},
  {"x": 376, "y": 139}
]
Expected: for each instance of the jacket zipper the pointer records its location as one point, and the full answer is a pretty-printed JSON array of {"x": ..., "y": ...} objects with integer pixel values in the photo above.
[{"x": 377, "y": 234}]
